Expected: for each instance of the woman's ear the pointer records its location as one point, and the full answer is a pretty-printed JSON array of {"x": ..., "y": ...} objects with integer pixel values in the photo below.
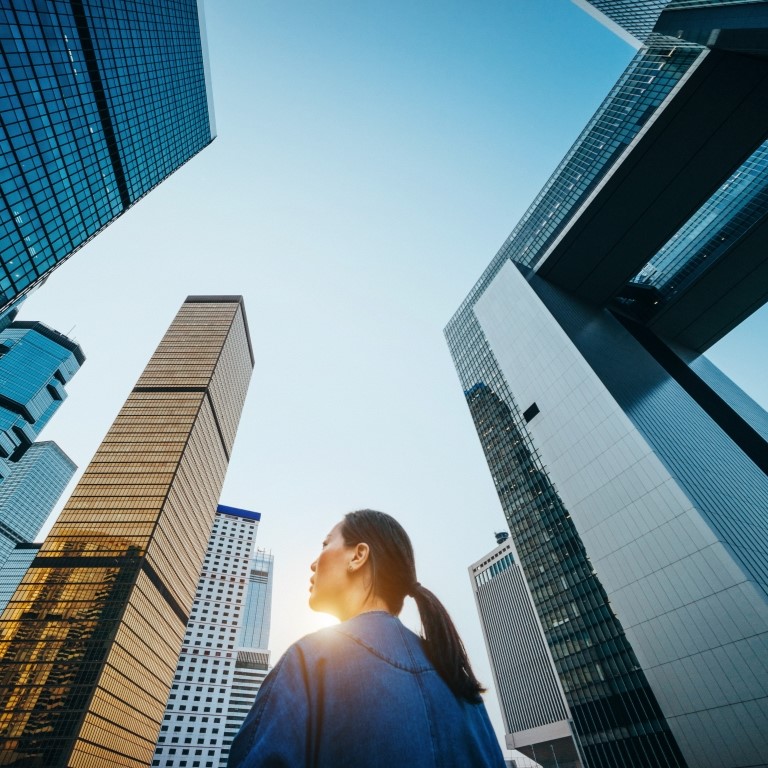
[{"x": 360, "y": 556}]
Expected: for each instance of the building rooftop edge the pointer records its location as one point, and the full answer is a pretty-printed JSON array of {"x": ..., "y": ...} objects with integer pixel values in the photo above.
[
  {"x": 608, "y": 23},
  {"x": 490, "y": 554},
  {"x": 53, "y": 335},
  {"x": 244, "y": 513},
  {"x": 226, "y": 299},
  {"x": 59, "y": 449}
]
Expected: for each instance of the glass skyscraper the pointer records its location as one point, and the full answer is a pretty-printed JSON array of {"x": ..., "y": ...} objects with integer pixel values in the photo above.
[
  {"x": 35, "y": 364},
  {"x": 90, "y": 639},
  {"x": 30, "y": 492},
  {"x": 219, "y": 671},
  {"x": 631, "y": 472},
  {"x": 99, "y": 102},
  {"x": 254, "y": 632},
  {"x": 13, "y": 569}
]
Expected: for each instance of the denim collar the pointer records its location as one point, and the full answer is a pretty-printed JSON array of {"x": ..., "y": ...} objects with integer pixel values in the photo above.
[{"x": 384, "y": 636}]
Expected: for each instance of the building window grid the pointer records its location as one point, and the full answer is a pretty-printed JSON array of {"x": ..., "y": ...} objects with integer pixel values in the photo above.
[
  {"x": 552, "y": 557},
  {"x": 737, "y": 205},
  {"x": 221, "y": 589},
  {"x": 589, "y": 648},
  {"x": 533, "y": 670},
  {"x": 53, "y": 137}
]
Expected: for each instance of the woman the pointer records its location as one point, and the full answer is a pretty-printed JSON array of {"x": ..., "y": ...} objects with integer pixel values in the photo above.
[{"x": 369, "y": 692}]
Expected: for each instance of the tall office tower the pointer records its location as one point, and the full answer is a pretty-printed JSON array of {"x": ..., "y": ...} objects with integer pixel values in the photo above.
[
  {"x": 254, "y": 631},
  {"x": 99, "y": 103},
  {"x": 30, "y": 492},
  {"x": 13, "y": 569},
  {"x": 252, "y": 662},
  {"x": 632, "y": 473},
  {"x": 536, "y": 718},
  {"x": 35, "y": 364},
  {"x": 213, "y": 675},
  {"x": 90, "y": 639}
]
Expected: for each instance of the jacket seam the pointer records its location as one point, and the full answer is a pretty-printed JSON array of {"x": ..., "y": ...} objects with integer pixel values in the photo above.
[{"x": 423, "y": 698}]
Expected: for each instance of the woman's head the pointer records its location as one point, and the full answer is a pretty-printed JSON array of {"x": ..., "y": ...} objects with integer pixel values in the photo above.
[
  {"x": 392, "y": 569},
  {"x": 367, "y": 564}
]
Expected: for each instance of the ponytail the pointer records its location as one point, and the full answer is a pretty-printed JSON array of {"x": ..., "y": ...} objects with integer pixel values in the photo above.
[
  {"x": 443, "y": 646},
  {"x": 393, "y": 571}
]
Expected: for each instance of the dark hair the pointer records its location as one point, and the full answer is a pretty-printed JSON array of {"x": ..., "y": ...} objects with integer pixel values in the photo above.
[{"x": 393, "y": 570}]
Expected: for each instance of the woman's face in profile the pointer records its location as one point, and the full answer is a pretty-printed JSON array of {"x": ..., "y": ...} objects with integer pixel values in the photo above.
[{"x": 330, "y": 576}]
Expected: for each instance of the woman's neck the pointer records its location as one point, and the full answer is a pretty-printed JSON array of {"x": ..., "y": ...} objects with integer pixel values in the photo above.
[{"x": 367, "y": 604}]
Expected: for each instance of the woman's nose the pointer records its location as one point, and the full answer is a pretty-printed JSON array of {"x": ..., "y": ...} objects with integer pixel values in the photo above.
[{"x": 313, "y": 567}]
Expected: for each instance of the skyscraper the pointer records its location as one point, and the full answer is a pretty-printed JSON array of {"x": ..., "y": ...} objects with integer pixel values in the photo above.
[
  {"x": 533, "y": 707},
  {"x": 100, "y": 102},
  {"x": 216, "y": 679},
  {"x": 35, "y": 364},
  {"x": 631, "y": 472},
  {"x": 13, "y": 569},
  {"x": 252, "y": 663},
  {"x": 90, "y": 639},
  {"x": 30, "y": 492},
  {"x": 254, "y": 631}
]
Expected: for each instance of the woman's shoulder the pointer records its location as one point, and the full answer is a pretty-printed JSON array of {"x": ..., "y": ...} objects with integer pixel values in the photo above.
[
  {"x": 377, "y": 633},
  {"x": 309, "y": 648},
  {"x": 387, "y": 638}
]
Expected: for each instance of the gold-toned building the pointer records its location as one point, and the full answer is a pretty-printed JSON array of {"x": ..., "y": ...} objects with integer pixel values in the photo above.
[{"x": 89, "y": 641}]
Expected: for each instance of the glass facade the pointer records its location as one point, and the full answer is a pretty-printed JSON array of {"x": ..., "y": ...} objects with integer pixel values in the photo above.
[
  {"x": 13, "y": 569},
  {"x": 665, "y": 540},
  {"x": 615, "y": 713},
  {"x": 35, "y": 364},
  {"x": 216, "y": 678},
  {"x": 30, "y": 492},
  {"x": 254, "y": 632},
  {"x": 90, "y": 640},
  {"x": 637, "y": 18},
  {"x": 739, "y": 204},
  {"x": 100, "y": 101},
  {"x": 623, "y": 710}
]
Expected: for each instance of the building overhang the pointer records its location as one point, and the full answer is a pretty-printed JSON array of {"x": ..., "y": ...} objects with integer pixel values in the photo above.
[
  {"x": 710, "y": 124},
  {"x": 735, "y": 286},
  {"x": 739, "y": 27}
]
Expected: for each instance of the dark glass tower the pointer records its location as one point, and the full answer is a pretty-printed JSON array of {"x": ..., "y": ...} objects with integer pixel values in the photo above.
[
  {"x": 631, "y": 472},
  {"x": 99, "y": 102}
]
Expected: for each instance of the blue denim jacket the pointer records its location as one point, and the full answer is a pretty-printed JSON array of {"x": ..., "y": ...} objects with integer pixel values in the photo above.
[{"x": 362, "y": 693}]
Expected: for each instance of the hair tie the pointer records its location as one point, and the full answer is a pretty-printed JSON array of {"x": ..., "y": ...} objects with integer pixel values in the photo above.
[{"x": 415, "y": 586}]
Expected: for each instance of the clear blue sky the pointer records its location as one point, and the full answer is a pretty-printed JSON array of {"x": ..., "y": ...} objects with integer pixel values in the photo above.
[{"x": 371, "y": 159}]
